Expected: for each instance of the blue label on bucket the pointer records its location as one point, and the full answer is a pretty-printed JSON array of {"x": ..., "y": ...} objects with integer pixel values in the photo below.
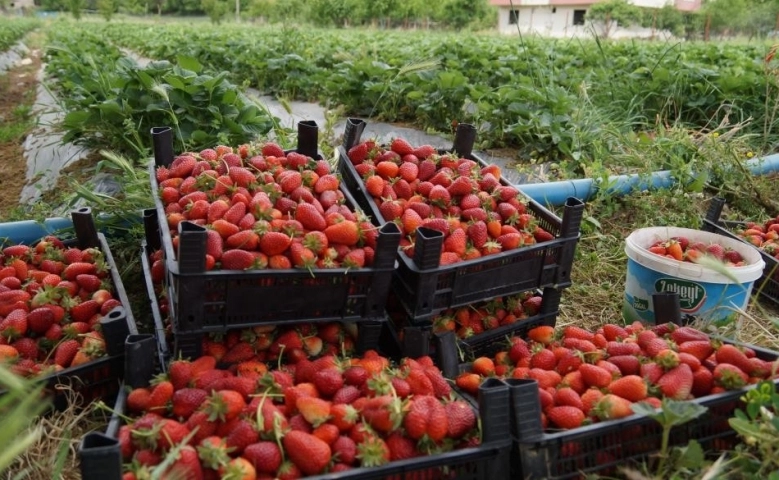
[{"x": 710, "y": 301}]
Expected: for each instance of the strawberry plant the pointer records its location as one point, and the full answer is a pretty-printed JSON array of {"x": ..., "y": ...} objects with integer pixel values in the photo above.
[
  {"x": 124, "y": 101},
  {"x": 586, "y": 377},
  {"x": 331, "y": 414},
  {"x": 52, "y": 299},
  {"x": 758, "y": 427},
  {"x": 465, "y": 201},
  {"x": 12, "y": 30}
]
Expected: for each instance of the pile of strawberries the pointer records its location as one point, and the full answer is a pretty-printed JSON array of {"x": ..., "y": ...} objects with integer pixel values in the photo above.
[
  {"x": 417, "y": 187},
  {"x": 265, "y": 209},
  {"x": 588, "y": 376},
  {"x": 52, "y": 298},
  {"x": 765, "y": 236},
  {"x": 484, "y": 316},
  {"x": 308, "y": 417},
  {"x": 680, "y": 248}
]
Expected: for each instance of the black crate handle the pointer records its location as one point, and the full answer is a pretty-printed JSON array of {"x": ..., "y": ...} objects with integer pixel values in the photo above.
[
  {"x": 162, "y": 143},
  {"x": 715, "y": 209},
  {"x": 84, "y": 224},
  {"x": 139, "y": 361},
  {"x": 446, "y": 348},
  {"x": 525, "y": 409},
  {"x": 115, "y": 330},
  {"x": 416, "y": 342},
  {"x": 151, "y": 229},
  {"x": 101, "y": 457},
  {"x": 308, "y": 138},
  {"x": 494, "y": 410},
  {"x": 427, "y": 248},
  {"x": 353, "y": 132},
  {"x": 464, "y": 139}
]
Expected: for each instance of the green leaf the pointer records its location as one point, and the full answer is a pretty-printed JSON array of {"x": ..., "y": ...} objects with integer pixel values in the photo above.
[
  {"x": 692, "y": 455},
  {"x": 229, "y": 96},
  {"x": 76, "y": 117},
  {"x": 189, "y": 63}
]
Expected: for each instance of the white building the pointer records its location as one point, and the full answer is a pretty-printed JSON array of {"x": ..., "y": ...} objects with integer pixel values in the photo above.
[{"x": 567, "y": 18}]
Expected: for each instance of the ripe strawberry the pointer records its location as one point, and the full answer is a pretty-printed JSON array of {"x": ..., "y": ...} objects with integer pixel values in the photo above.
[
  {"x": 595, "y": 376},
  {"x": 14, "y": 325},
  {"x": 627, "y": 364},
  {"x": 630, "y": 387},
  {"x": 345, "y": 232},
  {"x": 731, "y": 354},
  {"x": 358, "y": 153},
  {"x": 565, "y": 416},
  {"x": 84, "y": 311},
  {"x": 401, "y": 147},
  {"x": 702, "y": 382},
  {"x": 729, "y": 376},
  {"x": 186, "y": 401},
  {"x": 315, "y": 410},
  {"x": 611, "y": 407},
  {"x": 237, "y": 260},
  {"x": 681, "y": 335},
  {"x": 543, "y": 334},
  {"x": 264, "y": 456},
  {"x": 40, "y": 320},
  {"x": 310, "y": 454},
  {"x": 426, "y": 416},
  {"x": 700, "y": 349},
  {"x": 224, "y": 405},
  {"x": 309, "y": 217},
  {"x": 270, "y": 149},
  {"x": 274, "y": 243},
  {"x": 161, "y": 395},
  {"x": 420, "y": 383},
  {"x": 677, "y": 382}
]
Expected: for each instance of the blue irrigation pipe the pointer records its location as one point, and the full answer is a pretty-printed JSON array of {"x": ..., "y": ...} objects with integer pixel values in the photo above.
[{"x": 555, "y": 193}]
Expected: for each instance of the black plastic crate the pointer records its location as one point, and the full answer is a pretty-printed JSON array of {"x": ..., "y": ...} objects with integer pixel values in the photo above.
[
  {"x": 600, "y": 448},
  {"x": 425, "y": 288},
  {"x": 101, "y": 458},
  {"x": 100, "y": 378},
  {"x": 768, "y": 284},
  {"x": 418, "y": 340},
  {"x": 172, "y": 345},
  {"x": 202, "y": 301}
]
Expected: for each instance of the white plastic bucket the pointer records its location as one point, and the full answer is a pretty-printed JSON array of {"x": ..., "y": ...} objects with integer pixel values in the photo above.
[{"x": 703, "y": 292}]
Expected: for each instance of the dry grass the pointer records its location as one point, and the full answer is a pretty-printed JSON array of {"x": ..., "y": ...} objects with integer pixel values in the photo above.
[{"x": 55, "y": 454}]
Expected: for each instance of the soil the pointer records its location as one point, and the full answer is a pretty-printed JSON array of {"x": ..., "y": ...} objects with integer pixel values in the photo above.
[{"x": 17, "y": 88}]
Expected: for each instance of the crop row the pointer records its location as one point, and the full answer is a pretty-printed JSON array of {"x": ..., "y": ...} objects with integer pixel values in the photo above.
[
  {"x": 540, "y": 93},
  {"x": 11, "y": 30},
  {"x": 111, "y": 101}
]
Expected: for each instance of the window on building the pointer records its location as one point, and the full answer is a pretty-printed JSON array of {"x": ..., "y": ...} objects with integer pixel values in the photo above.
[
  {"x": 513, "y": 17},
  {"x": 578, "y": 17}
]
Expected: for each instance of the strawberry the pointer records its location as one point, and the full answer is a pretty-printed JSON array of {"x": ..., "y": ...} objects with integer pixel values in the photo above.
[
  {"x": 700, "y": 349},
  {"x": 310, "y": 454},
  {"x": 246, "y": 240},
  {"x": 315, "y": 410},
  {"x": 426, "y": 416},
  {"x": 358, "y": 153},
  {"x": 565, "y": 416},
  {"x": 73, "y": 270},
  {"x": 186, "y": 400},
  {"x": 677, "y": 382},
  {"x": 401, "y": 147},
  {"x": 84, "y": 311},
  {"x": 731, "y": 354},
  {"x": 65, "y": 352},
  {"x": 702, "y": 382},
  {"x": 681, "y": 335},
  {"x": 40, "y": 320},
  {"x": 309, "y": 217},
  {"x": 345, "y": 232},
  {"x": 241, "y": 435},
  {"x": 264, "y": 456},
  {"x": 630, "y": 387},
  {"x": 224, "y": 405},
  {"x": 237, "y": 260},
  {"x": 543, "y": 334},
  {"x": 729, "y": 376},
  {"x": 611, "y": 407},
  {"x": 627, "y": 364},
  {"x": 14, "y": 325},
  {"x": 274, "y": 243},
  {"x": 461, "y": 418},
  {"x": 161, "y": 395},
  {"x": 595, "y": 376},
  {"x": 270, "y": 149}
]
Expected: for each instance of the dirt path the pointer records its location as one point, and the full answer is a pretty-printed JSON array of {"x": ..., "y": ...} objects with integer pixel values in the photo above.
[{"x": 17, "y": 94}]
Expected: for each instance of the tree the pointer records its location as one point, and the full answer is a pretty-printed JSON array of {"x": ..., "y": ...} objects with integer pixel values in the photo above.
[
  {"x": 107, "y": 8},
  {"x": 215, "y": 9},
  {"x": 75, "y": 7},
  {"x": 459, "y": 14},
  {"x": 611, "y": 14}
]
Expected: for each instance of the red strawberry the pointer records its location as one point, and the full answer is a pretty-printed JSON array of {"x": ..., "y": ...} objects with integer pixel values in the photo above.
[
  {"x": 274, "y": 243},
  {"x": 612, "y": 406},
  {"x": 84, "y": 311},
  {"x": 630, "y": 387},
  {"x": 677, "y": 382},
  {"x": 594, "y": 376},
  {"x": 729, "y": 376},
  {"x": 65, "y": 352},
  {"x": 310, "y": 454},
  {"x": 310, "y": 217},
  {"x": 186, "y": 401},
  {"x": 75, "y": 269},
  {"x": 40, "y": 320},
  {"x": 681, "y": 335},
  {"x": 237, "y": 260},
  {"x": 270, "y": 149},
  {"x": 566, "y": 416},
  {"x": 14, "y": 325},
  {"x": 401, "y": 147},
  {"x": 264, "y": 455},
  {"x": 700, "y": 349},
  {"x": 358, "y": 153}
]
